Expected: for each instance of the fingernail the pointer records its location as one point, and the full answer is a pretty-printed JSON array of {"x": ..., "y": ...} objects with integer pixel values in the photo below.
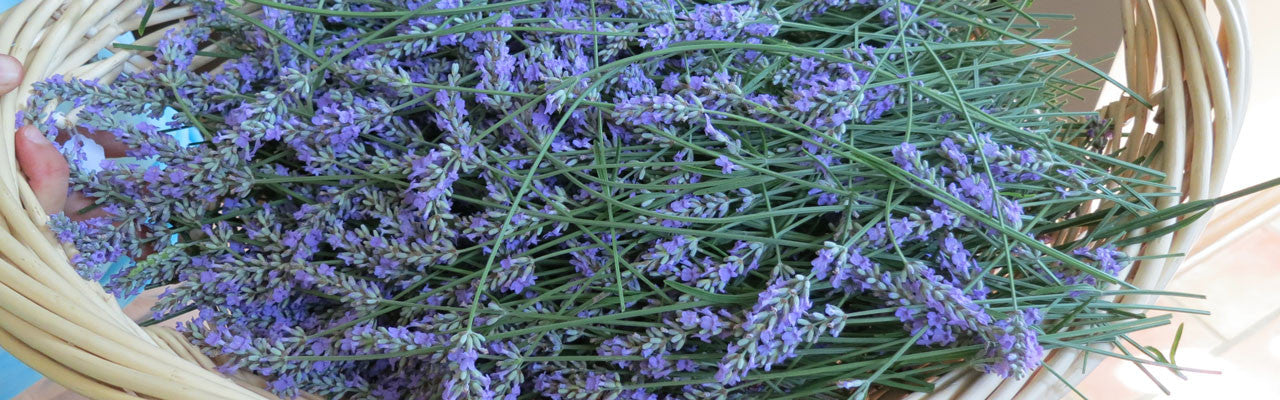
[
  {"x": 34, "y": 136},
  {"x": 10, "y": 71}
]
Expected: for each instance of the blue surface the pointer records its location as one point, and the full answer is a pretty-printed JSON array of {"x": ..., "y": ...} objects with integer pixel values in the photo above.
[{"x": 14, "y": 376}]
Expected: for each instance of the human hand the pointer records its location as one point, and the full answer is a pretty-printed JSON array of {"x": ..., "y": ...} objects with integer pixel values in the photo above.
[{"x": 45, "y": 168}]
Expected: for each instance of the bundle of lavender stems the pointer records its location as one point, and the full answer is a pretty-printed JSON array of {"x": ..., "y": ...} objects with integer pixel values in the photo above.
[{"x": 613, "y": 199}]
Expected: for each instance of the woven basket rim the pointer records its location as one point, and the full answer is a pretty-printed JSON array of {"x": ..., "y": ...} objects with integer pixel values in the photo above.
[{"x": 74, "y": 333}]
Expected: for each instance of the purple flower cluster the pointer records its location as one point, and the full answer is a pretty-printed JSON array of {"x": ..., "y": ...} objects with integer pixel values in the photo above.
[
  {"x": 1107, "y": 258},
  {"x": 465, "y": 381},
  {"x": 941, "y": 312},
  {"x": 658, "y": 344},
  {"x": 576, "y": 382},
  {"x": 722, "y": 22},
  {"x": 974, "y": 168},
  {"x": 891, "y": 12},
  {"x": 772, "y": 330},
  {"x": 1011, "y": 347}
]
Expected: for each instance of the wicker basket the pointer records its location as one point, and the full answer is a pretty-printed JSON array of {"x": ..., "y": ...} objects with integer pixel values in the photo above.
[{"x": 74, "y": 333}]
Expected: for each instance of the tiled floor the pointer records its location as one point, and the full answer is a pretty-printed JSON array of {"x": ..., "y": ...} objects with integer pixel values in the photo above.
[{"x": 1241, "y": 339}]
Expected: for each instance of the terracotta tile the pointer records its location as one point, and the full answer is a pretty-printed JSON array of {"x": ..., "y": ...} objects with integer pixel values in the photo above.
[
  {"x": 1257, "y": 352},
  {"x": 1241, "y": 339},
  {"x": 69, "y": 395},
  {"x": 1239, "y": 280},
  {"x": 1244, "y": 372},
  {"x": 1119, "y": 379},
  {"x": 48, "y": 390},
  {"x": 1274, "y": 225}
]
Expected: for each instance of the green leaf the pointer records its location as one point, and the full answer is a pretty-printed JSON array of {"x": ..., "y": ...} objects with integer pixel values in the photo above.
[
  {"x": 1173, "y": 349},
  {"x": 146, "y": 17},
  {"x": 712, "y": 297}
]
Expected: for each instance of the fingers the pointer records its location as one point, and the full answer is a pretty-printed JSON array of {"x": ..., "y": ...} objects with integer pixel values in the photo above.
[
  {"x": 112, "y": 147},
  {"x": 46, "y": 170},
  {"x": 11, "y": 76},
  {"x": 10, "y": 73}
]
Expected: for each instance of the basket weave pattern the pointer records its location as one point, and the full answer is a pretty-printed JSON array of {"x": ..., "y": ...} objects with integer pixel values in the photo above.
[{"x": 1187, "y": 57}]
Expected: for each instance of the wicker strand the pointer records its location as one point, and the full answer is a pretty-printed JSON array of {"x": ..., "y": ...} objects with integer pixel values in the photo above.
[{"x": 69, "y": 378}]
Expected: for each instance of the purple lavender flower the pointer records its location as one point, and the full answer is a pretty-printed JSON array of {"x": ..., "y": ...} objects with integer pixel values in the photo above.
[
  {"x": 949, "y": 311},
  {"x": 726, "y": 166},
  {"x": 669, "y": 257},
  {"x": 1013, "y": 345},
  {"x": 665, "y": 109},
  {"x": 907, "y": 157},
  {"x": 772, "y": 330},
  {"x": 466, "y": 382},
  {"x": 723, "y": 22},
  {"x": 1107, "y": 259}
]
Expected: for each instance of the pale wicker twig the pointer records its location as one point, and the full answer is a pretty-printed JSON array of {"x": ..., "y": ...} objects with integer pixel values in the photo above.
[{"x": 73, "y": 332}]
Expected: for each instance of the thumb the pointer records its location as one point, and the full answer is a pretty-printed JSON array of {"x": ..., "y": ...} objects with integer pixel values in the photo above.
[
  {"x": 46, "y": 170},
  {"x": 10, "y": 73}
]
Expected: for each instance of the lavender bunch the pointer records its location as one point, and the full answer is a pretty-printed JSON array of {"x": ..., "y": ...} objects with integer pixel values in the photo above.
[{"x": 651, "y": 199}]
